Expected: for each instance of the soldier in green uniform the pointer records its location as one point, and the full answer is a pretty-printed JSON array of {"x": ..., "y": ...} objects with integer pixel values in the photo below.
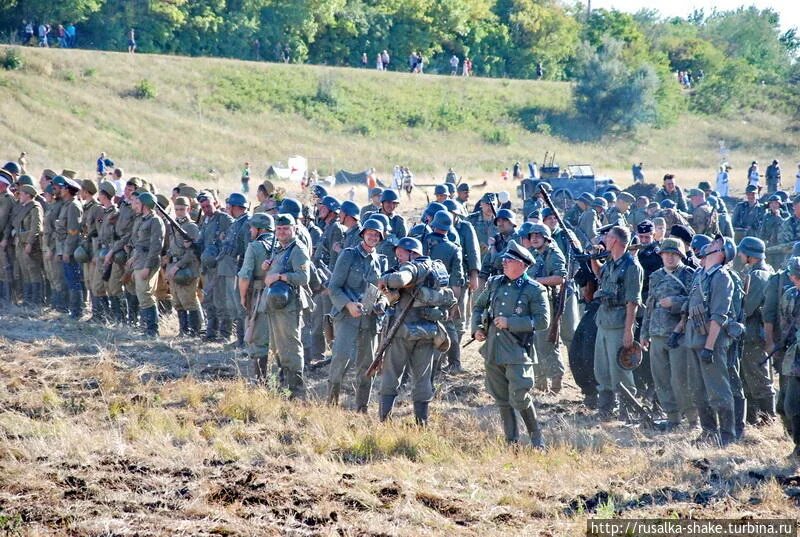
[
  {"x": 396, "y": 229},
  {"x": 251, "y": 286},
  {"x": 483, "y": 221},
  {"x": 639, "y": 211},
  {"x": 769, "y": 227},
  {"x": 747, "y": 214},
  {"x": 789, "y": 397},
  {"x": 147, "y": 242},
  {"x": 183, "y": 269},
  {"x": 462, "y": 194},
  {"x": 705, "y": 219},
  {"x": 289, "y": 270},
  {"x": 213, "y": 226},
  {"x": 91, "y": 213},
  {"x": 355, "y": 322},
  {"x": 506, "y": 316},
  {"x": 550, "y": 270},
  {"x": 573, "y": 216},
  {"x": 758, "y": 388},
  {"x": 620, "y": 294},
  {"x": 419, "y": 284},
  {"x": 709, "y": 309},
  {"x": 505, "y": 222},
  {"x": 229, "y": 260},
  {"x": 375, "y": 197},
  {"x": 671, "y": 191},
  {"x": 590, "y": 220},
  {"x": 349, "y": 215},
  {"x": 28, "y": 245},
  {"x": 7, "y": 204},
  {"x": 668, "y": 292},
  {"x": 618, "y": 215},
  {"x": 324, "y": 257},
  {"x": 790, "y": 230}
]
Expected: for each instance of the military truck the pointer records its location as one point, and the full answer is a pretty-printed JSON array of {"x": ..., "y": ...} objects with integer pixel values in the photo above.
[{"x": 568, "y": 183}]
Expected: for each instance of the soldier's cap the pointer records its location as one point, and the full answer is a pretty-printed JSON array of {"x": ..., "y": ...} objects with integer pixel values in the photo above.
[
  {"x": 796, "y": 199},
  {"x": 653, "y": 205},
  {"x": 535, "y": 214},
  {"x": 488, "y": 197},
  {"x": 751, "y": 188},
  {"x": 187, "y": 191},
  {"x": 284, "y": 219},
  {"x": 674, "y": 246},
  {"x": 658, "y": 221},
  {"x": 377, "y": 191},
  {"x": 586, "y": 198},
  {"x": 70, "y": 174},
  {"x": 518, "y": 253},
  {"x": 109, "y": 188},
  {"x": 28, "y": 189},
  {"x": 5, "y": 177},
  {"x": 260, "y": 221},
  {"x": 49, "y": 173},
  {"x": 667, "y": 204},
  {"x": 162, "y": 200},
  {"x": 627, "y": 197},
  {"x": 182, "y": 201},
  {"x": 89, "y": 186},
  {"x": 547, "y": 211},
  {"x": 72, "y": 184},
  {"x": 696, "y": 192},
  {"x": 645, "y": 226},
  {"x": 25, "y": 180},
  {"x": 440, "y": 190},
  {"x": 147, "y": 199},
  {"x": 610, "y": 196},
  {"x": 774, "y": 197},
  {"x": 462, "y": 187},
  {"x": 793, "y": 266},
  {"x": 682, "y": 232},
  {"x": 600, "y": 202},
  {"x": 605, "y": 229},
  {"x": 135, "y": 182},
  {"x": 704, "y": 185}
]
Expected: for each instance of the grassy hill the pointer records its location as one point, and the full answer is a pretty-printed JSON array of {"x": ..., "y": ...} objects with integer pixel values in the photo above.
[{"x": 178, "y": 117}]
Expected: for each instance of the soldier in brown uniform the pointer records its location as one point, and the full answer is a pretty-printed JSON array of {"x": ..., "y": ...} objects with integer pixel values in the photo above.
[
  {"x": 105, "y": 224},
  {"x": 183, "y": 269},
  {"x": 6, "y": 261},
  {"x": 28, "y": 245},
  {"x": 147, "y": 242},
  {"x": 91, "y": 212},
  {"x": 123, "y": 229},
  {"x": 705, "y": 219},
  {"x": 52, "y": 266},
  {"x": 68, "y": 230}
]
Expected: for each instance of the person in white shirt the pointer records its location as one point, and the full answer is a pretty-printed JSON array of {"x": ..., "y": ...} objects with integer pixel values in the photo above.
[
  {"x": 454, "y": 65},
  {"x": 722, "y": 181},
  {"x": 752, "y": 174}
]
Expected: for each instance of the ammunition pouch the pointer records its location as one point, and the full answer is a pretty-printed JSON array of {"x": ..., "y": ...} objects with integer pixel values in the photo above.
[
  {"x": 432, "y": 314},
  {"x": 421, "y": 330}
]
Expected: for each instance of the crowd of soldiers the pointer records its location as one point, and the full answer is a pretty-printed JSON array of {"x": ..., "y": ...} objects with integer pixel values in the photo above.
[{"x": 679, "y": 317}]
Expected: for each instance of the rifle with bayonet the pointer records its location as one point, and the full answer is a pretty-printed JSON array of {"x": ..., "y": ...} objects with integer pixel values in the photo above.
[
  {"x": 561, "y": 300},
  {"x": 387, "y": 338}
]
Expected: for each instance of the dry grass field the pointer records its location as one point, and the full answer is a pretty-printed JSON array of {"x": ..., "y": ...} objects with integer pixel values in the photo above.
[{"x": 103, "y": 433}]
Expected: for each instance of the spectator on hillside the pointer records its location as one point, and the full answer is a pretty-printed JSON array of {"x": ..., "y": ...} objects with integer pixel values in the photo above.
[
  {"x": 454, "y": 65},
  {"x": 44, "y": 29},
  {"x": 638, "y": 174},
  {"x": 539, "y": 71},
  {"x": 467, "y": 69},
  {"x": 72, "y": 35},
  {"x": 28, "y": 34},
  {"x": 131, "y": 41},
  {"x": 379, "y": 62},
  {"x": 752, "y": 174},
  {"x": 287, "y": 54},
  {"x": 101, "y": 166},
  {"x": 385, "y": 59},
  {"x": 246, "y": 178},
  {"x": 364, "y": 60},
  {"x": 397, "y": 177},
  {"x": 256, "y": 49},
  {"x": 723, "y": 180},
  {"x": 62, "y": 36}
]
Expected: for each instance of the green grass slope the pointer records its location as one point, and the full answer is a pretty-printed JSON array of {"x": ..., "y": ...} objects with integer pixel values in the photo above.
[{"x": 65, "y": 106}]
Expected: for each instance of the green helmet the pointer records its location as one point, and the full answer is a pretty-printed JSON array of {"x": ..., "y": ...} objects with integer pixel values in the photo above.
[
  {"x": 147, "y": 199},
  {"x": 81, "y": 255},
  {"x": 752, "y": 247}
]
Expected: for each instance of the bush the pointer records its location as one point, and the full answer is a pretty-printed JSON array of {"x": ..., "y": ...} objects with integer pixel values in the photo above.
[
  {"x": 145, "y": 90},
  {"x": 12, "y": 60},
  {"x": 497, "y": 136}
]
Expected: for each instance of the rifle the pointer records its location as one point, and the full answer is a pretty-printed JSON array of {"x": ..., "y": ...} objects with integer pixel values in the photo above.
[
  {"x": 561, "y": 302},
  {"x": 636, "y": 407},
  {"x": 251, "y": 317},
  {"x": 175, "y": 225},
  {"x": 387, "y": 338}
]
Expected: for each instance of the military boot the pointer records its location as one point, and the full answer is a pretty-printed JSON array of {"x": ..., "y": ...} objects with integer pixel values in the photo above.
[
  {"x": 76, "y": 303},
  {"x": 239, "y": 333},
  {"x": 334, "y": 390},
  {"x": 26, "y": 295},
  {"x": 540, "y": 384},
  {"x": 532, "y": 424},
  {"x": 510, "y": 428},
  {"x": 261, "y": 372},
  {"x": 295, "y": 383},
  {"x": 606, "y": 403},
  {"x": 739, "y": 414},
  {"x": 727, "y": 426},
  {"x": 37, "y": 294},
  {"x": 96, "y": 315},
  {"x": 766, "y": 407},
  {"x": 795, "y": 425},
  {"x": 421, "y": 413},
  {"x": 165, "y": 306},
  {"x": 193, "y": 323},
  {"x": 150, "y": 321},
  {"x": 556, "y": 384},
  {"x": 183, "y": 323},
  {"x": 225, "y": 330},
  {"x": 708, "y": 423},
  {"x": 212, "y": 324},
  {"x": 116, "y": 310},
  {"x": 362, "y": 396},
  {"x": 385, "y": 410},
  {"x": 133, "y": 309}
]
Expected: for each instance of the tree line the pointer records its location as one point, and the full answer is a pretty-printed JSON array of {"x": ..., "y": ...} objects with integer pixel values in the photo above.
[{"x": 746, "y": 59}]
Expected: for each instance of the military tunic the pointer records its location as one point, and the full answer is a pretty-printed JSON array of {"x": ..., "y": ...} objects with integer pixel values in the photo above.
[
  {"x": 620, "y": 284},
  {"x": 669, "y": 367},
  {"x": 68, "y": 229},
  {"x": 705, "y": 220},
  {"x": 106, "y": 237},
  {"x": 257, "y": 252},
  {"x": 91, "y": 212},
  {"x": 147, "y": 241},
  {"x": 437, "y": 246},
  {"x": 549, "y": 262},
  {"x": 285, "y": 324},
  {"x": 710, "y": 298},
  {"x": 471, "y": 258},
  {"x": 508, "y": 353},
  {"x": 747, "y": 219},
  {"x": 52, "y": 265},
  {"x": 572, "y": 312},
  {"x": 768, "y": 231},
  {"x": 676, "y": 196},
  {"x": 356, "y": 337},
  {"x": 6, "y": 254},
  {"x": 212, "y": 230},
  {"x": 397, "y": 230},
  {"x": 232, "y": 249},
  {"x": 588, "y": 225},
  {"x": 484, "y": 229},
  {"x": 123, "y": 229},
  {"x": 755, "y": 370},
  {"x": 492, "y": 263},
  {"x": 789, "y": 397},
  {"x": 184, "y": 295},
  {"x": 29, "y": 233}
]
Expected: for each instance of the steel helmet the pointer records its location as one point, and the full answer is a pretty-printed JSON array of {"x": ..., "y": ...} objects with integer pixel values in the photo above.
[
  {"x": 419, "y": 231},
  {"x": 291, "y": 206},
  {"x": 81, "y": 254},
  {"x": 319, "y": 191},
  {"x": 389, "y": 195},
  {"x": 350, "y": 209},
  {"x": 440, "y": 190},
  {"x": 432, "y": 209},
  {"x": 699, "y": 241},
  {"x": 387, "y": 225},
  {"x": 278, "y": 295},
  {"x": 542, "y": 230},
  {"x": 374, "y": 224},
  {"x": 454, "y": 207},
  {"x": 442, "y": 220},
  {"x": 506, "y": 214},
  {"x": 451, "y": 188},
  {"x": 237, "y": 200},
  {"x": 147, "y": 199},
  {"x": 262, "y": 221},
  {"x": 629, "y": 358},
  {"x": 524, "y": 229},
  {"x": 331, "y": 203},
  {"x": 12, "y": 167},
  {"x": 752, "y": 247},
  {"x": 411, "y": 244}
]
